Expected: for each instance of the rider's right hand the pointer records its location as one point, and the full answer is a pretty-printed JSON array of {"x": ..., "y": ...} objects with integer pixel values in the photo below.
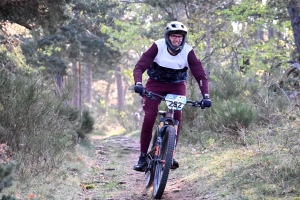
[{"x": 139, "y": 88}]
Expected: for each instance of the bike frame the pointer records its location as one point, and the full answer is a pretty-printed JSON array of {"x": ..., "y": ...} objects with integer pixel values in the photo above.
[
  {"x": 167, "y": 119},
  {"x": 157, "y": 159}
]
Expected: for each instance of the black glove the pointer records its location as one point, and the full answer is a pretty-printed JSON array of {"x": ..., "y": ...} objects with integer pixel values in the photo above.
[
  {"x": 206, "y": 102},
  {"x": 139, "y": 88}
]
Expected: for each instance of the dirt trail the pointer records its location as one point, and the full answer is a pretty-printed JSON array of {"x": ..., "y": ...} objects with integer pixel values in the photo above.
[{"x": 130, "y": 184}]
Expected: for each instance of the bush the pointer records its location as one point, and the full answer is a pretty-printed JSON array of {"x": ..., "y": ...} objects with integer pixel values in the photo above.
[
  {"x": 87, "y": 123},
  {"x": 232, "y": 115},
  {"x": 231, "y": 111},
  {"x": 271, "y": 107},
  {"x": 31, "y": 126},
  {"x": 6, "y": 179},
  {"x": 71, "y": 112},
  {"x": 225, "y": 85}
]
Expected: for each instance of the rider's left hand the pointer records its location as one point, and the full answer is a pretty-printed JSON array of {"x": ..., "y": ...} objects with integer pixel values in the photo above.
[{"x": 206, "y": 102}]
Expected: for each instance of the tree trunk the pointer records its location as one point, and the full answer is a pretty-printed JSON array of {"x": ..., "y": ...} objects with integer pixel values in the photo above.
[
  {"x": 59, "y": 84},
  {"x": 208, "y": 39},
  {"x": 120, "y": 89},
  {"x": 80, "y": 85},
  {"x": 260, "y": 34},
  {"x": 109, "y": 83},
  {"x": 75, "y": 99},
  {"x": 260, "y": 29},
  {"x": 271, "y": 32},
  {"x": 87, "y": 83},
  {"x": 294, "y": 11}
]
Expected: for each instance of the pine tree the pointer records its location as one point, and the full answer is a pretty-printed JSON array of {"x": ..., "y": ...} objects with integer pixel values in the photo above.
[{"x": 34, "y": 13}]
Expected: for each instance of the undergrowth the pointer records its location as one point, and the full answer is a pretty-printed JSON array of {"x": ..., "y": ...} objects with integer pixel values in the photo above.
[
  {"x": 38, "y": 126},
  {"x": 246, "y": 146}
]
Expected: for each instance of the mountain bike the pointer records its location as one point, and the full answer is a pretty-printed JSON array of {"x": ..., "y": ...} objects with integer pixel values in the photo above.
[{"x": 160, "y": 155}]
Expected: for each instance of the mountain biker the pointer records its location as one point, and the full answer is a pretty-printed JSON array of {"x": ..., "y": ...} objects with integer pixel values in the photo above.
[{"x": 167, "y": 62}]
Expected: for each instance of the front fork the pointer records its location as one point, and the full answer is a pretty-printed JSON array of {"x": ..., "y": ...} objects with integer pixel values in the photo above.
[
  {"x": 153, "y": 158},
  {"x": 156, "y": 158}
]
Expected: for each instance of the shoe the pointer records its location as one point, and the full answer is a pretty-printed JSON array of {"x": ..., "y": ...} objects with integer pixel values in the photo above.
[
  {"x": 175, "y": 164},
  {"x": 141, "y": 165}
]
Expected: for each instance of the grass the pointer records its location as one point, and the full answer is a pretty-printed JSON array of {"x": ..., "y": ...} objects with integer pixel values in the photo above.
[
  {"x": 268, "y": 170},
  {"x": 60, "y": 184}
]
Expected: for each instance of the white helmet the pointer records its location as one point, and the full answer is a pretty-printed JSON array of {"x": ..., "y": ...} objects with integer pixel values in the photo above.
[{"x": 176, "y": 27}]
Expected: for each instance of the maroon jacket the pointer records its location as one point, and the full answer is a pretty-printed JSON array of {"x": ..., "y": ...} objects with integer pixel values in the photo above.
[{"x": 194, "y": 64}]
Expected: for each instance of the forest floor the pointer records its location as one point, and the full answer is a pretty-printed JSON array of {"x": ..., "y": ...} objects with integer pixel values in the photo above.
[
  {"x": 231, "y": 172},
  {"x": 103, "y": 170},
  {"x": 113, "y": 177}
]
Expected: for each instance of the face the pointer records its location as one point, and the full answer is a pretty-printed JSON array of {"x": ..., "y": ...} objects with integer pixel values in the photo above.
[{"x": 176, "y": 39}]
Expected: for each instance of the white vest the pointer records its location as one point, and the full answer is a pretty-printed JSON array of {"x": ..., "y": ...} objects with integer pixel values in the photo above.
[{"x": 165, "y": 59}]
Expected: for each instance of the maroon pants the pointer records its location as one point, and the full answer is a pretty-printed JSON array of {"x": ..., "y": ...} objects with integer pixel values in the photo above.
[{"x": 151, "y": 108}]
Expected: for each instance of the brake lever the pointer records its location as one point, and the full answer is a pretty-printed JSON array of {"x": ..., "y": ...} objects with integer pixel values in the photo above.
[
  {"x": 198, "y": 104},
  {"x": 202, "y": 105},
  {"x": 149, "y": 95}
]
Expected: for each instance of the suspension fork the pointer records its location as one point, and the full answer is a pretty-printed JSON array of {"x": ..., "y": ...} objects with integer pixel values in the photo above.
[
  {"x": 164, "y": 123},
  {"x": 158, "y": 144},
  {"x": 157, "y": 150},
  {"x": 176, "y": 124}
]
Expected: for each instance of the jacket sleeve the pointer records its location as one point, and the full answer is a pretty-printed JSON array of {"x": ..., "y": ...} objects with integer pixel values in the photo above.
[
  {"x": 144, "y": 63},
  {"x": 198, "y": 72}
]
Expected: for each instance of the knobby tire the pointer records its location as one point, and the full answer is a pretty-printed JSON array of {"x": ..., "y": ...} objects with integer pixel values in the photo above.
[{"x": 166, "y": 154}]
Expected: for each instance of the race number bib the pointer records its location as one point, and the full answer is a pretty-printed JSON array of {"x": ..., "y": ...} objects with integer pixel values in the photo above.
[{"x": 175, "y": 102}]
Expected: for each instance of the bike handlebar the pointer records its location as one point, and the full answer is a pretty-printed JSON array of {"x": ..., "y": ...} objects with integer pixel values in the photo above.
[{"x": 151, "y": 95}]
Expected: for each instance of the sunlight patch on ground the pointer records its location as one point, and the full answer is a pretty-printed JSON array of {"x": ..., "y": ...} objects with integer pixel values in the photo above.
[
  {"x": 117, "y": 130},
  {"x": 111, "y": 131}
]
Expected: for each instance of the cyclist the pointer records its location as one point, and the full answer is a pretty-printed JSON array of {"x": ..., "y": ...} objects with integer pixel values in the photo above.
[{"x": 167, "y": 62}]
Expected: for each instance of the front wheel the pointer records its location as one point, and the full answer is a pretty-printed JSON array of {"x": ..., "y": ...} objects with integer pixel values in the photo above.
[
  {"x": 149, "y": 171},
  {"x": 163, "y": 165}
]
